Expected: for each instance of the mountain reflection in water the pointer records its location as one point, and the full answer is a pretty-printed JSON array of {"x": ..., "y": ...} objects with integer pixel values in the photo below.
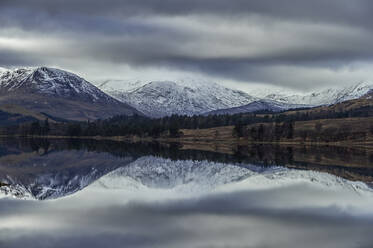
[{"x": 97, "y": 193}]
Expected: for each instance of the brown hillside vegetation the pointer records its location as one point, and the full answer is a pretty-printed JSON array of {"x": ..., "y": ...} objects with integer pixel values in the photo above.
[
  {"x": 347, "y": 130},
  {"x": 356, "y": 130}
]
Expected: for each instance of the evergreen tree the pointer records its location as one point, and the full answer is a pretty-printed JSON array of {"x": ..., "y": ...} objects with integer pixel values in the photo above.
[{"x": 46, "y": 127}]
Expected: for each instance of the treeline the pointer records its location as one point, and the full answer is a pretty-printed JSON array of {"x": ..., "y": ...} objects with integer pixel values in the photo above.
[
  {"x": 271, "y": 132},
  {"x": 286, "y": 131},
  {"x": 281, "y": 125}
]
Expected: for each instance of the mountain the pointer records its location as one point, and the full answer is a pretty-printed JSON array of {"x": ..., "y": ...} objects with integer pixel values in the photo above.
[
  {"x": 347, "y": 98},
  {"x": 261, "y": 105},
  {"x": 189, "y": 97},
  {"x": 325, "y": 97},
  {"x": 362, "y": 105},
  {"x": 184, "y": 97},
  {"x": 57, "y": 93}
]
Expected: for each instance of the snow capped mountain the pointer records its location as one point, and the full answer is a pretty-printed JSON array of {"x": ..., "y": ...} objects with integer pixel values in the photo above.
[
  {"x": 189, "y": 97},
  {"x": 186, "y": 97},
  {"x": 261, "y": 105},
  {"x": 51, "y": 81},
  {"x": 58, "y": 93},
  {"x": 324, "y": 97},
  {"x": 65, "y": 95}
]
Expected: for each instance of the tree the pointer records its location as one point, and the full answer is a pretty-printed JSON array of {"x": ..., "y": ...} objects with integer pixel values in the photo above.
[
  {"x": 304, "y": 135},
  {"x": 290, "y": 130},
  {"x": 261, "y": 132},
  {"x": 238, "y": 129},
  {"x": 278, "y": 131},
  {"x": 318, "y": 127},
  {"x": 174, "y": 130},
  {"x": 46, "y": 127},
  {"x": 35, "y": 128},
  {"x": 74, "y": 130}
]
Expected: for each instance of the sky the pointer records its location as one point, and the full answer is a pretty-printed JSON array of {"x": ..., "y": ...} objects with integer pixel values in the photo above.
[{"x": 296, "y": 44}]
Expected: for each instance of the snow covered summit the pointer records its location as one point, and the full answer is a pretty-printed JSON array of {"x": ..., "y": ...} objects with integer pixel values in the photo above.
[
  {"x": 183, "y": 97},
  {"x": 51, "y": 81}
]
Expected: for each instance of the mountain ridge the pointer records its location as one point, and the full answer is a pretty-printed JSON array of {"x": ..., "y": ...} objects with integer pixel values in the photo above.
[
  {"x": 164, "y": 98},
  {"x": 192, "y": 97}
]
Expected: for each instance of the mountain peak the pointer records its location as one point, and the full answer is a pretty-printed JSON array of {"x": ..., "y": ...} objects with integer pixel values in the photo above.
[{"x": 50, "y": 81}]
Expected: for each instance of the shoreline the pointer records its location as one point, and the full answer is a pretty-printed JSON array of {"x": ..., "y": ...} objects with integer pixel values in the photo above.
[{"x": 234, "y": 142}]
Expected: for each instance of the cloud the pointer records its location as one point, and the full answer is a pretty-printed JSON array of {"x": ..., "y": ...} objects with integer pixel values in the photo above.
[
  {"x": 249, "y": 218},
  {"x": 296, "y": 44}
]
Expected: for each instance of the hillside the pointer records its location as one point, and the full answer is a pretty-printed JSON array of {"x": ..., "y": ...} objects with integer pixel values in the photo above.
[
  {"x": 261, "y": 105},
  {"x": 189, "y": 97},
  {"x": 364, "y": 103},
  {"x": 324, "y": 97},
  {"x": 57, "y": 93}
]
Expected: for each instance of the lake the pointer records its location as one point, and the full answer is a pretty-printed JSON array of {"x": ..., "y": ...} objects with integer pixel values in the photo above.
[{"x": 89, "y": 193}]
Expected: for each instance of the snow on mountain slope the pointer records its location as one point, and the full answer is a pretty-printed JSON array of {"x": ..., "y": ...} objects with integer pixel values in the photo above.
[
  {"x": 189, "y": 97},
  {"x": 58, "y": 93},
  {"x": 325, "y": 97},
  {"x": 53, "y": 82},
  {"x": 186, "y": 97},
  {"x": 113, "y": 85},
  {"x": 261, "y": 105}
]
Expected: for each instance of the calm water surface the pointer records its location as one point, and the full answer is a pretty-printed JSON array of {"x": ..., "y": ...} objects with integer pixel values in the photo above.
[{"x": 70, "y": 193}]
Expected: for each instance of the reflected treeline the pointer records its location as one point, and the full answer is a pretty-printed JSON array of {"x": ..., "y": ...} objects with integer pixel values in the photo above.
[{"x": 349, "y": 163}]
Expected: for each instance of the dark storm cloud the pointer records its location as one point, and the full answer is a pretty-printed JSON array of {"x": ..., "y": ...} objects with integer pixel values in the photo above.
[
  {"x": 354, "y": 12},
  {"x": 232, "y": 40}
]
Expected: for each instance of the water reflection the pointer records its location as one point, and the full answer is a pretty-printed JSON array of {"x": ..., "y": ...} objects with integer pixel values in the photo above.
[
  {"x": 97, "y": 194},
  {"x": 48, "y": 169}
]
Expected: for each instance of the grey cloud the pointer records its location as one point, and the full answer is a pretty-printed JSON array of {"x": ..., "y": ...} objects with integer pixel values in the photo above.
[
  {"x": 358, "y": 11},
  {"x": 232, "y": 40}
]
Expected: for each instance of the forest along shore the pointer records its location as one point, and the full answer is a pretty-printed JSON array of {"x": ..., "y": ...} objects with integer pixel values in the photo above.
[
  {"x": 343, "y": 124},
  {"x": 336, "y": 132}
]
